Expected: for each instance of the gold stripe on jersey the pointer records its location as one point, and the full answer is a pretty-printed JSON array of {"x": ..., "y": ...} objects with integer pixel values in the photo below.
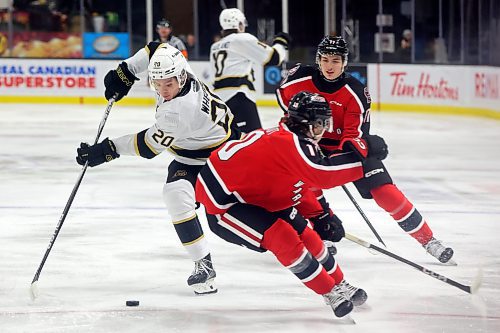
[
  {"x": 142, "y": 147},
  {"x": 274, "y": 59},
  {"x": 189, "y": 230},
  {"x": 185, "y": 220},
  {"x": 204, "y": 152},
  {"x": 269, "y": 57},
  {"x": 181, "y": 154},
  {"x": 154, "y": 47},
  {"x": 233, "y": 82},
  {"x": 228, "y": 134},
  {"x": 233, "y": 87},
  {"x": 194, "y": 241},
  {"x": 232, "y": 76}
]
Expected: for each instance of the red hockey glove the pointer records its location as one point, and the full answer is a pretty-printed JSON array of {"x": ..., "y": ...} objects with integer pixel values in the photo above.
[{"x": 357, "y": 145}]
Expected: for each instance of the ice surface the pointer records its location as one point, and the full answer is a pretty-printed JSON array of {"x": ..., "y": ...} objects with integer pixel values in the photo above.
[{"x": 117, "y": 243}]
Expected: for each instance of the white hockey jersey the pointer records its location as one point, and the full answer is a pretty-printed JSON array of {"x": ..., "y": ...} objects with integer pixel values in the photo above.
[
  {"x": 231, "y": 60},
  {"x": 190, "y": 126}
]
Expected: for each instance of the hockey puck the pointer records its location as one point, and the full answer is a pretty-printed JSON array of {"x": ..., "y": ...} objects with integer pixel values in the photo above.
[{"x": 132, "y": 303}]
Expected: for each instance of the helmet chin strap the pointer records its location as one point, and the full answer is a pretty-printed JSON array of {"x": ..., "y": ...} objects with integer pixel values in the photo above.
[{"x": 315, "y": 137}]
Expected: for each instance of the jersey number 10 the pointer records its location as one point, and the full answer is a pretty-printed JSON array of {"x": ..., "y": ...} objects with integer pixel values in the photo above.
[{"x": 219, "y": 59}]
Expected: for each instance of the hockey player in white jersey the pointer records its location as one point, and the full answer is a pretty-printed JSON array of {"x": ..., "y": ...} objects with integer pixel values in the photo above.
[
  {"x": 191, "y": 122},
  {"x": 231, "y": 60}
]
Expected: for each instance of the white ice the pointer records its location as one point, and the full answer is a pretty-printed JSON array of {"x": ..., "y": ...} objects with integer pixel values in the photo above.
[{"x": 117, "y": 243}]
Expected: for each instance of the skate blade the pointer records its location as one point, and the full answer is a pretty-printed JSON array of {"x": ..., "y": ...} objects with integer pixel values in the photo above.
[
  {"x": 478, "y": 281},
  {"x": 34, "y": 291},
  {"x": 205, "y": 288},
  {"x": 345, "y": 320},
  {"x": 450, "y": 262}
]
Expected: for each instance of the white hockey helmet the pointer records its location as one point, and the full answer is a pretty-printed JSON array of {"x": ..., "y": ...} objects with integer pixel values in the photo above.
[
  {"x": 232, "y": 18},
  {"x": 168, "y": 62}
]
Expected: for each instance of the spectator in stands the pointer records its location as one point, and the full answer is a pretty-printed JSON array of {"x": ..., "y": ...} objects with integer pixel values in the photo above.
[
  {"x": 190, "y": 44},
  {"x": 164, "y": 30},
  {"x": 403, "y": 54}
]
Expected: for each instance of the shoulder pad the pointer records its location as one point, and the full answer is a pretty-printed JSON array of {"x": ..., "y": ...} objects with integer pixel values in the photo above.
[
  {"x": 151, "y": 48},
  {"x": 359, "y": 89},
  {"x": 245, "y": 36},
  {"x": 298, "y": 71},
  {"x": 169, "y": 120}
]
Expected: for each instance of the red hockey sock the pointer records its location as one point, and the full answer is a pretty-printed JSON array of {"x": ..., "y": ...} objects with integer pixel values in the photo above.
[
  {"x": 282, "y": 240},
  {"x": 315, "y": 245},
  {"x": 337, "y": 275},
  {"x": 312, "y": 242},
  {"x": 393, "y": 201}
]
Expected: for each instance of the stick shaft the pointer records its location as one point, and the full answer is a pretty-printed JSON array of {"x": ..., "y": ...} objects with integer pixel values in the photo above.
[
  {"x": 71, "y": 197},
  {"x": 418, "y": 267},
  {"x": 363, "y": 215}
]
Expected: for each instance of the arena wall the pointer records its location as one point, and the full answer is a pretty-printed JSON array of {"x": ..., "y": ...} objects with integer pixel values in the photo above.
[{"x": 461, "y": 90}]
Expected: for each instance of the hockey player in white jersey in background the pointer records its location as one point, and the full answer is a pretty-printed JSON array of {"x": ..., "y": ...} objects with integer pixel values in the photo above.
[
  {"x": 191, "y": 122},
  {"x": 231, "y": 60}
]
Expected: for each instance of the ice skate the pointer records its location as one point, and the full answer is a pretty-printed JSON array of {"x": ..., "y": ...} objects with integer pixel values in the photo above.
[
  {"x": 341, "y": 306},
  {"x": 436, "y": 249},
  {"x": 356, "y": 295},
  {"x": 330, "y": 246},
  {"x": 202, "y": 278}
]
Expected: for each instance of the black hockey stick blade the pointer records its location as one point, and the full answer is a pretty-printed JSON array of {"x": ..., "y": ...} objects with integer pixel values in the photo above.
[{"x": 468, "y": 289}]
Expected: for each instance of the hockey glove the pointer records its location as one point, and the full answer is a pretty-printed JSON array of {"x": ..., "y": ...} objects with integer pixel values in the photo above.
[
  {"x": 282, "y": 38},
  {"x": 377, "y": 148},
  {"x": 293, "y": 217},
  {"x": 328, "y": 226},
  {"x": 369, "y": 146},
  {"x": 96, "y": 154},
  {"x": 118, "y": 82},
  {"x": 357, "y": 145}
]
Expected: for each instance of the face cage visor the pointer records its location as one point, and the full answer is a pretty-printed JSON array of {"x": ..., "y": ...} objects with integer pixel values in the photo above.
[{"x": 324, "y": 123}]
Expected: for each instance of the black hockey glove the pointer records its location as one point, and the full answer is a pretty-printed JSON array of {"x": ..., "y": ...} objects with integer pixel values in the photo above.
[
  {"x": 96, "y": 154},
  {"x": 118, "y": 82},
  {"x": 282, "y": 38},
  {"x": 377, "y": 148},
  {"x": 293, "y": 217},
  {"x": 328, "y": 226}
]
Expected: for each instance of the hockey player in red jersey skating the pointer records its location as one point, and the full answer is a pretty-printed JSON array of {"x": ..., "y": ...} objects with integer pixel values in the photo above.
[
  {"x": 257, "y": 193},
  {"x": 349, "y": 101}
]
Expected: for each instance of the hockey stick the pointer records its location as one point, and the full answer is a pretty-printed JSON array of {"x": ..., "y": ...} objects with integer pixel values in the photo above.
[
  {"x": 34, "y": 283},
  {"x": 363, "y": 215},
  {"x": 468, "y": 289}
]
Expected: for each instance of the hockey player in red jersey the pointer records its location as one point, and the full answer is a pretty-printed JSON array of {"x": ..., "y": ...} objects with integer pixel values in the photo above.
[
  {"x": 349, "y": 101},
  {"x": 257, "y": 193}
]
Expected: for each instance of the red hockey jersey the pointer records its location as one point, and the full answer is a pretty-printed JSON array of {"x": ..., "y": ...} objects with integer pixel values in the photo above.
[
  {"x": 348, "y": 98},
  {"x": 274, "y": 169}
]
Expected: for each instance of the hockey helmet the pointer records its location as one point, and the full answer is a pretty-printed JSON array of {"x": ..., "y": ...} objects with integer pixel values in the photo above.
[
  {"x": 168, "y": 62},
  {"x": 330, "y": 45},
  {"x": 232, "y": 18},
  {"x": 311, "y": 109},
  {"x": 163, "y": 23}
]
